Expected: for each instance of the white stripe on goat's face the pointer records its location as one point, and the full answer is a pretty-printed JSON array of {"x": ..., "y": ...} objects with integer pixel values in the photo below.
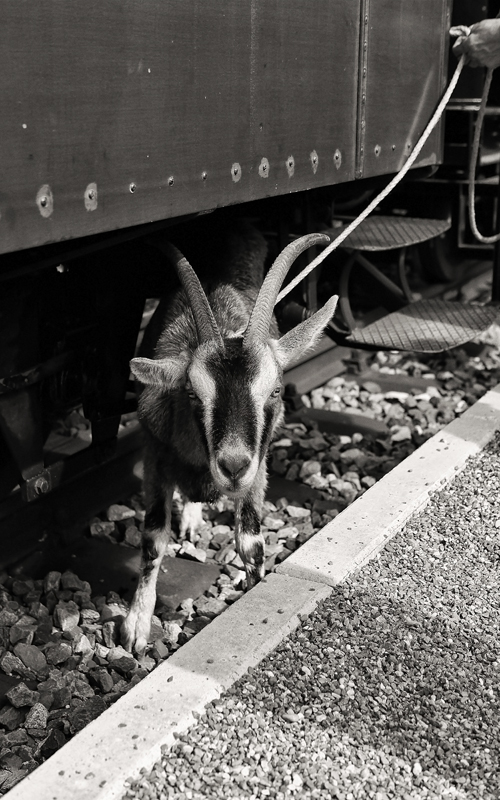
[{"x": 236, "y": 399}]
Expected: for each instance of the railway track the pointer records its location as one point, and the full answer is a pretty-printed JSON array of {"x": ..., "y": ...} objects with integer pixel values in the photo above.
[
  {"x": 316, "y": 473},
  {"x": 350, "y": 421},
  {"x": 91, "y": 479},
  {"x": 129, "y": 737}
]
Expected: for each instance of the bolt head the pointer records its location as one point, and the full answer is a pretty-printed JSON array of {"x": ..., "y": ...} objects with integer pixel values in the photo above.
[{"x": 41, "y": 486}]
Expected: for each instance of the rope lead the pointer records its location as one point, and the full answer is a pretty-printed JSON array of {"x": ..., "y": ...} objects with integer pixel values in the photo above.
[{"x": 388, "y": 189}]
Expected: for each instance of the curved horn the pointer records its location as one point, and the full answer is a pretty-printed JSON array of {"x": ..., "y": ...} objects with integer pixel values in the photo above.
[
  {"x": 204, "y": 319},
  {"x": 260, "y": 319}
]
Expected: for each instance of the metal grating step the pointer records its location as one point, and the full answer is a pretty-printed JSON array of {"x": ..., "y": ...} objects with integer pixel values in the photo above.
[
  {"x": 426, "y": 326},
  {"x": 389, "y": 233}
]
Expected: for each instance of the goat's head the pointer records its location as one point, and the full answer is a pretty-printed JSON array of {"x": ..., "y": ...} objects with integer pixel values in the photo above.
[{"x": 234, "y": 384}]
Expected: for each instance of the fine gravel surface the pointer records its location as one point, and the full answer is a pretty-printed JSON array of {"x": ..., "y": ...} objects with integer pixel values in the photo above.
[{"x": 389, "y": 690}]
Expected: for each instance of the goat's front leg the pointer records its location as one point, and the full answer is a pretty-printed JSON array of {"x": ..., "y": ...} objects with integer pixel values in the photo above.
[
  {"x": 250, "y": 543},
  {"x": 135, "y": 628}
]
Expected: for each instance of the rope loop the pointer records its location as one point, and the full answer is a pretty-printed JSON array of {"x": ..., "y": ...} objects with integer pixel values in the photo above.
[{"x": 473, "y": 165}]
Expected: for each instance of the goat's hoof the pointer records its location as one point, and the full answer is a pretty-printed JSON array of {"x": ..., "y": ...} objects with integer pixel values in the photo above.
[
  {"x": 134, "y": 633},
  {"x": 254, "y": 576}
]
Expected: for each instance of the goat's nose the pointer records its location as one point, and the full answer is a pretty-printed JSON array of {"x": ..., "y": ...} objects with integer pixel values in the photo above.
[{"x": 233, "y": 466}]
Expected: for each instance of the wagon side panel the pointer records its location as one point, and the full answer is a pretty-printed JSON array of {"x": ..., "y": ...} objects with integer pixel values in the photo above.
[{"x": 123, "y": 113}]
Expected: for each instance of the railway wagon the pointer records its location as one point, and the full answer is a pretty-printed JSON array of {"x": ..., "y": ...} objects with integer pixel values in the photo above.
[{"x": 122, "y": 119}]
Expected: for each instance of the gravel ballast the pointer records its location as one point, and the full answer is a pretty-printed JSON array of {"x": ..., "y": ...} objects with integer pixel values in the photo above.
[
  {"x": 389, "y": 690},
  {"x": 60, "y": 635}
]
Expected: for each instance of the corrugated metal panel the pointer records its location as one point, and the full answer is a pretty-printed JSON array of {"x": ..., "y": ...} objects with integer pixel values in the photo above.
[
  {"x": 116, "y": 114},
  {"x": 404, "y": 48},
  {"x": 191, "y": 105}
]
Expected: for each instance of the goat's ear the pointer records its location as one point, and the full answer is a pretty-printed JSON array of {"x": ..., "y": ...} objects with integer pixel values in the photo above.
[
  {"x": 165, "y": 373},
  {"x": 303, "y": 336}
]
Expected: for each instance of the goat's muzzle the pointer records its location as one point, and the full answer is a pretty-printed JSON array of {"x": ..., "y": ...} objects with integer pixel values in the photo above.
[
  {"x": 234, "y": 471},
  {"x": 233, "y": 466}
]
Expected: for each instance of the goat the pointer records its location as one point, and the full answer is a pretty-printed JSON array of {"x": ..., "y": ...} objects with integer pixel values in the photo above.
[{"x": 210, "y": 403}]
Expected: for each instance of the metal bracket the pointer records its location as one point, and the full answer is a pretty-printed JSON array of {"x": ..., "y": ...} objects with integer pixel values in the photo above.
[
  {"x": 62, "y": 471},
  {"x": 37, "y": 486}
]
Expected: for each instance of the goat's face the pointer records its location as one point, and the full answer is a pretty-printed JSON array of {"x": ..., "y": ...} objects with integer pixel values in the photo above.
[
  {"x": 233, "y": 385},
  {"x": 235, "y": 395}
]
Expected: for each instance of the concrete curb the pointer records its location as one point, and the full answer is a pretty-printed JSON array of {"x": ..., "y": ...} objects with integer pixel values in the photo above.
[
  {"x": 129, "y": 736},
  {"x": 356, "y": 535}
]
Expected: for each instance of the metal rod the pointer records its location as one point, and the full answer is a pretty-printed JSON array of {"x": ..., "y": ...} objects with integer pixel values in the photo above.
[{"x": 495, "y": 286}]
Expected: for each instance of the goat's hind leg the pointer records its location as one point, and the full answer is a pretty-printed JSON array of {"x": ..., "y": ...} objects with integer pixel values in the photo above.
[
  {"x": 135, "y": 629},
  {"x": 191, "y": 520}
]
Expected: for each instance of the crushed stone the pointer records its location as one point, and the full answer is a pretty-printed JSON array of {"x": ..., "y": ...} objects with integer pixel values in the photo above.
[{"x": 59, "y": 639}]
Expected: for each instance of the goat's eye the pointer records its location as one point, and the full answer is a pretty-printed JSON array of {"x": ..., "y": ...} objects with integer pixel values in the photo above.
[
  {"x": 276, "y": 392},
  {"x": 191, "y": 393}
]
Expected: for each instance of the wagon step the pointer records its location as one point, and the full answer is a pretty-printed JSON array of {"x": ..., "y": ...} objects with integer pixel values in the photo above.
[{"x": 425, "y": 326}]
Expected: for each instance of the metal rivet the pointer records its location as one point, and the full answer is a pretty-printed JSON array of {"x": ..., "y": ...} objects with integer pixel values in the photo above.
[
  {"x": 314, "y": 161},
  {"x": 236, "y": 172},
  {"x": 204, "y": 176},
  {"x": 337, "y": 158},
  {"x": 408, "y": 145},
  {"x": 90, "y": 197},
  {"x": 377, "y": 150},
  {"x": 264, "y": 168},
  {"x": 171, "y": 181},
  {"x": 132, "y": 187},
  {"x": 393, "y": 147},
  {"x": 290, "y": 166},
  {"x": 45, "y": 200}
]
